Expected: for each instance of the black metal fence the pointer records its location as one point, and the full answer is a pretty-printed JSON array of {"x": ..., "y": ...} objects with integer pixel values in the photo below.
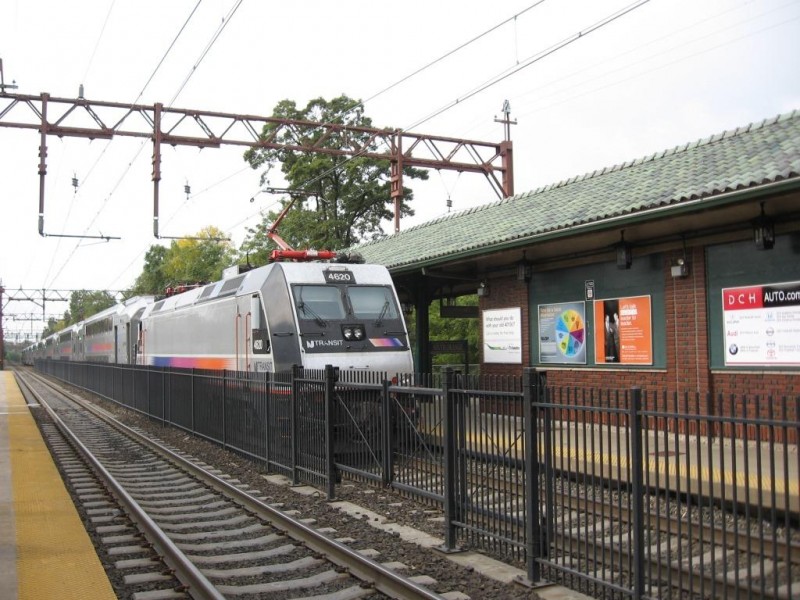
[{"x": 619, "y": 493}]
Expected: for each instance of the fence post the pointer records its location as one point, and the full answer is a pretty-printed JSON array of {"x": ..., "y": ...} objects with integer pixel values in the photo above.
[
  {"x": 296, "y": 370},
  {"x": 147, "y": 374},
  {"x": 449, "y": 461},
  {"x": 164, "y": 386},
  {"x": 533, "y": 529},
  {"x": 191, "y": 398},
  {"x": 331, "y": 377},
  {"x": 268, "y": 423},
  {"x": 637, "y": 495},
  {"x": 388, "y": 433},
  {"x": 224, "y": 408}
]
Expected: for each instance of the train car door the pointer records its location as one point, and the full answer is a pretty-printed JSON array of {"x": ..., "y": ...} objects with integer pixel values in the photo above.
[
  {"x": 285, "y": 343},
  {"x": 258, "y": 344},
  {"x": 133, "y": 335}
]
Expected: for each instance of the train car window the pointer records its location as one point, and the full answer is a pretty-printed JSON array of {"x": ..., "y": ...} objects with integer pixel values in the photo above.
[
  {"x": 98, "y": 327},
  {"x": 372, "y": 302},
  {"x": 230, "y": 286},
  {"x": 207, "y": 291},
  {"x": 318, "y": 302}
]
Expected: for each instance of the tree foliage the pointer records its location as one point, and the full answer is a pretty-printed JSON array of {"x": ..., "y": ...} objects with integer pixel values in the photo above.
[
  {"x": 189, "y": 260},
  {"x": 83, "y": 304},
  {"x": 447, "y": 329},
  {"x": 198, "y": 260},
  {"x": 152, "y": 279},
  {"x": 344, "y": 199}
]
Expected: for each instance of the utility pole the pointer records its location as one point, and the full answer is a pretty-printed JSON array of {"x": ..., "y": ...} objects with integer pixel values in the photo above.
[{"x": 506, "y": 148}]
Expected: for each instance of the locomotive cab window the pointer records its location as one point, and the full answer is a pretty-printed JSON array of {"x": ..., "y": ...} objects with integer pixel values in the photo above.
[
  {"x": 372, "y": 302},
  {"x": 318, "y": 302}
]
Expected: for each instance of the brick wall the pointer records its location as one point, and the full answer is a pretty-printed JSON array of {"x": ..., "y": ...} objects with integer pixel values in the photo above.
[
  {"x": 507, "y": 293},
  {"x": 687, "y": 343}
]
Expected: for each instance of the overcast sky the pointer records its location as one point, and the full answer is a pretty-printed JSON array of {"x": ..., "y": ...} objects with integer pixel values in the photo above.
[{"x": 663, "y": 74}]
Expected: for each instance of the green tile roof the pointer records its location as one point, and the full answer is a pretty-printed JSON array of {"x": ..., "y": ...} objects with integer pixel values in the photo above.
[{"x": 747, "y": 157}]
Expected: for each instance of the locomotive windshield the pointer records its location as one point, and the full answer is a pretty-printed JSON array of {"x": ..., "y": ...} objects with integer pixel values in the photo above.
[
  {"x": 318, "y": 302},
  {"x": 323, "y": 303},
  {"x": 372, "y": 302}
]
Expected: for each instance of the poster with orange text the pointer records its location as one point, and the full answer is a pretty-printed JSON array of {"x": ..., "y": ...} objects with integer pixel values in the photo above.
[{"x": 623, "y": 331}]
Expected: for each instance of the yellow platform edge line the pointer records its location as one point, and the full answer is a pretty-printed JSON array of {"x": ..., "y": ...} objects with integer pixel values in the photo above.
[
  {"x": 665, "y": 466},
  {"x": 55, "y": 557}
]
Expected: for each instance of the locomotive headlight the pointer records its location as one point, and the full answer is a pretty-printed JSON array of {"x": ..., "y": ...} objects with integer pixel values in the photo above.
[{"x": 353, "y": 333}]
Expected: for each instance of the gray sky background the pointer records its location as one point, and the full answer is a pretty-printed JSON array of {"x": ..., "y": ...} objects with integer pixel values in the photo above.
[{"x": 666, "y": 73}]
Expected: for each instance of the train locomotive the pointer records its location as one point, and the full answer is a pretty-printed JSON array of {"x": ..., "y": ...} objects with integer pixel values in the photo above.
[{"x": 284, "y": 314}]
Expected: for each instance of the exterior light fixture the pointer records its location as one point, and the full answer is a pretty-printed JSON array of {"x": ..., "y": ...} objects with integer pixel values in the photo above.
[
  {"x": 679, "y": 268},
  {"x": 763, "y": 231},
  {"x": 624, "y": 252},
  {"x": 483, "y": 289}
]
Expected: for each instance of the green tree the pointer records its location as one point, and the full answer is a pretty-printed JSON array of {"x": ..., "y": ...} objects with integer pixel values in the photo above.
[
  {"x": 84, "y": 303},
  {"x": 345, "y": 198},
  {"x": 152, "y": 279},
  {"x": 446, "y": 329},
  {"x": 256, "y": 248},
  {"x": 199, "y": 259},
  {"x": 54, "y": 325}
]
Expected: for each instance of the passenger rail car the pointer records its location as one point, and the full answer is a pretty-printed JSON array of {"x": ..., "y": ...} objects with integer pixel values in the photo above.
[
  {"x": 66, "y": 343},
  {"x": 111, "y": 336},
  {"x": 285, "y": 314}
]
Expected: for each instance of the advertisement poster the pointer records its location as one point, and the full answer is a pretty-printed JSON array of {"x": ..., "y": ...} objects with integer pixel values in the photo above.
[
  {"x": 562, "y": 333},
  {"x": 502, "y": 336},
  {"x": 762, "y": 324},
  {"x": 623, "y": 331}
]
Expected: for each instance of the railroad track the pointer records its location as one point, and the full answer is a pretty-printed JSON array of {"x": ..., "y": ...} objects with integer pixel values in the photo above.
[
  {"x": 699, "y": 550},
  {"x": 210, "y": 538}
]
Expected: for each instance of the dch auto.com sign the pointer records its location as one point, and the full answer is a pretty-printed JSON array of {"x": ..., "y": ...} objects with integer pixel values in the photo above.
[{"x": 762, "y": 325}]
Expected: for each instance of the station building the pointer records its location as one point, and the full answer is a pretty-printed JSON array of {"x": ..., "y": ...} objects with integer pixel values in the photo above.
[{"x": 678, "y": 271}]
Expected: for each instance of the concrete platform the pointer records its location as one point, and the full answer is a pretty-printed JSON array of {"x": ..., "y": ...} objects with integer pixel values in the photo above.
[{"x": 45, "y": 552}]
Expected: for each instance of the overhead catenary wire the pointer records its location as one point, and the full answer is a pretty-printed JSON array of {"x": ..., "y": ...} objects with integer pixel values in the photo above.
[
  {"x": 206, "y": 50},
  {"x": 99, "y": 39},
  {"x": 500, "y": 77},
  {"x": 542, "y": 90},
  {"x": 192, "y": 71},
  {"x": 531, "y": 60},
  {"x": 422, "y": 69},
  {"x": 130, "y": 163},
  {"x": 651, "y": 57},
  {"x": 451, "y": 52}
]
